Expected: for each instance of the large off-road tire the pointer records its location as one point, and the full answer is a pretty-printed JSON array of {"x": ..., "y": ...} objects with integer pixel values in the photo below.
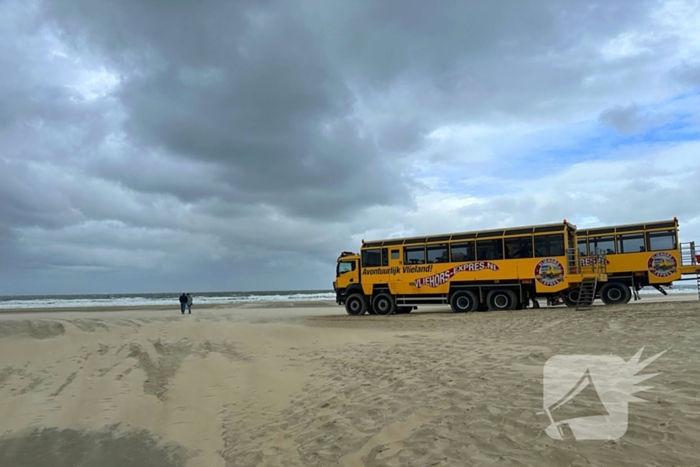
[
  {"x": 501, "y": 300},
  {"x": 402, "y": 310},
  {"x": 615, "y": 293},
  {"x": 356, "y": 304},
  {"x": 570, "y": 297},
  {"x": 384, "y": 304},
  {"x": 464, "y": 301}
]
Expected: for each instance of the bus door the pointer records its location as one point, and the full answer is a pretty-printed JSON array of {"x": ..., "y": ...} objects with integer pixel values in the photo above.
[{"x": 395, "y": 262}]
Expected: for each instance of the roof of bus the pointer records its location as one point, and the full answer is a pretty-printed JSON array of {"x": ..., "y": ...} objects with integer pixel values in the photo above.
[
  {"x": 524, "y": 230},
  {"x": 612, "y": 229}
]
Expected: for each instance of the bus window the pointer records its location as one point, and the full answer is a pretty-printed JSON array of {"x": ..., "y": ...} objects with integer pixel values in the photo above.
[
  {"x": 582, "y": 247},
  {"x": 414, "y": 255},
  {"x": 462, "y": 252},
  {"x": 549, "y": 245},
  {"x": 662, "y": 240},
  {"x": 489, "y": 249},
  {"x": 385, "y": 257},
  {"x": 372, "y": 258},
  {"x": 630, "y": 243},
  {"x": 607, "y": 244},
  {"x": 437, "y": 253},
  {"x": 395, "y": 254},
  {"x": 520, "y": 247},
  {"x": 345, "y": 266}
]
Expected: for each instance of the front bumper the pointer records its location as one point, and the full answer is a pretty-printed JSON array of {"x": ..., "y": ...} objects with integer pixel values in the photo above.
[{"x": 339, "y": 295}]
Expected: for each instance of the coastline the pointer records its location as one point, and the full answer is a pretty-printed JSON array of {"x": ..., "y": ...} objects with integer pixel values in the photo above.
[
  {"x": 175, "y": 306},
  {"x": 646, "y": 298}
]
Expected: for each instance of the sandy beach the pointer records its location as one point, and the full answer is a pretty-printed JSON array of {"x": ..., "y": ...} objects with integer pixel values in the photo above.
[{"x": 305, "y": 384}]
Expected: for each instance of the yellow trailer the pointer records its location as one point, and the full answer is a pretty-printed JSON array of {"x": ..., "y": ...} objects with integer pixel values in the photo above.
[{"x": 639, "y": 255}]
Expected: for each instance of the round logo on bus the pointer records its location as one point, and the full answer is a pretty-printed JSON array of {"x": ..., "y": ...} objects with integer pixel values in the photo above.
[
  {"x": 549, "y": 272},
  {"x": 662, "y": 264}
]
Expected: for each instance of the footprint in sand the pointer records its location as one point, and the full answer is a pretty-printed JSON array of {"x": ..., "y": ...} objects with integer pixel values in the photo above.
[{"x": 390, "y": 436}]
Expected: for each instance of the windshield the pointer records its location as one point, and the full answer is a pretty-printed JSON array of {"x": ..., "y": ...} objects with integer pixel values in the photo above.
[{"x": 345, "y": 266}]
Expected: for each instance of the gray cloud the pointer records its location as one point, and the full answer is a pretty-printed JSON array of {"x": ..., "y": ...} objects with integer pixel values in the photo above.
[
  {"x": 255, "y": 89},
  {"x": 250, "y": 91},
  {"x": 630, "y": 119},
  {"x": 687, "y": 73}
]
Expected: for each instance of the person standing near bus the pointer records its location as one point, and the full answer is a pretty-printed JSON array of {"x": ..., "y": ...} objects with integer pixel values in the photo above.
[
  {"x": 183, "y": 302},
  {"x": 189, "y": 303}
]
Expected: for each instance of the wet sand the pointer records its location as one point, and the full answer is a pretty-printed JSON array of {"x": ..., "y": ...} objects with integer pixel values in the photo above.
[{"x": 273, "y": 385}]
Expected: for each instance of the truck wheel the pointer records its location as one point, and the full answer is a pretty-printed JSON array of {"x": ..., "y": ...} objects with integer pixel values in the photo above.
[
  {"x": 384, "y": 304},
  {"x": 356, "y": 304},
  {"x": 501, "y": 300},
  {"x": 614, "y": 293},
  {"x": 464, "y": 301},
  {"x": 404, "y": 309},
  {"x": 570, "y": 297}
]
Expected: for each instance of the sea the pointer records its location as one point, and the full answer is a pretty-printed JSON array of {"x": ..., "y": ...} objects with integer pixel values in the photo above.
[
  {"x": 208, "y": 298},
  {"x": 126, "y": 300}
]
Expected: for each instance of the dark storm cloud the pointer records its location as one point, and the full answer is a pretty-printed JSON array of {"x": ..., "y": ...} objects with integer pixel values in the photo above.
[
  {"x": 45, "y": 125},
  {"x": 247, "y": 89},
  {"x": 29, "y": 201},
  {"x": 269, "y": 92}
]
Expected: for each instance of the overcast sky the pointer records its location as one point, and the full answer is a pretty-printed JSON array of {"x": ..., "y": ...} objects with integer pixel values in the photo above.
[{"x": 159, "y": 146}]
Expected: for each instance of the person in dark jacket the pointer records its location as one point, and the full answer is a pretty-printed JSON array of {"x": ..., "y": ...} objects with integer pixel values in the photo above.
[{"x": 183, "y": 302}]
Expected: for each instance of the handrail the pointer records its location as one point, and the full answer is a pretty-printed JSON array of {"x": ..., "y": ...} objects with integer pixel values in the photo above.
[{"x": 593, "y": 264}]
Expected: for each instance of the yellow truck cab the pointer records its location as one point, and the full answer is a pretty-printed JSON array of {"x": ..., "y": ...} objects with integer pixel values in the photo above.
[{"x": 346, "y": 272}]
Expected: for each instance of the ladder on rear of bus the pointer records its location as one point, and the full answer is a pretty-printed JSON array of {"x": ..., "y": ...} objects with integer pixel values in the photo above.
[
  {"x": 586, "y": 294},
  {"x": 690, "y": 257},
  {"x": 587, "y": 289}
]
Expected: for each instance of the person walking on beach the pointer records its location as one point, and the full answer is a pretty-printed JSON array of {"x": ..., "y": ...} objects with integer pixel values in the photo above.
[
  {"x": 183, "y": 302},
  {"x": 189, "y": 303}
]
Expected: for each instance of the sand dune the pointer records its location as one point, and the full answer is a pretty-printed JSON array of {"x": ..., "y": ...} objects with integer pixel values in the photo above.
[{"x": 298, "y": 385}]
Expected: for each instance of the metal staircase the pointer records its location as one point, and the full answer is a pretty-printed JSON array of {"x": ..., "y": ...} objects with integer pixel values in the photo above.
[
  {"x": 594, "y": 267},
  {"x": 586, "y": 294},
  {"x": 689, "y": 257}
]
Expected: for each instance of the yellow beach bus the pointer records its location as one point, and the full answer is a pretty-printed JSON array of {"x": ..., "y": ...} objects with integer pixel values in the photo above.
[
  {"x": 482, "y": 270},
  {"x": 638, "y": 255}
]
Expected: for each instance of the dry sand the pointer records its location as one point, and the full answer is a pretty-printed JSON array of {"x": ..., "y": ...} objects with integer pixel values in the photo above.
[{"x": 308, "y": 385}]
